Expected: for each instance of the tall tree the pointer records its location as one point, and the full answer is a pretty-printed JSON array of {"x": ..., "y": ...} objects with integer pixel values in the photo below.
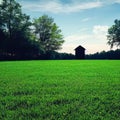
[
  {"x": 114, "y": 34},
  {"x": 16, "y": 26},
  {"x": 48, "y": 34}
]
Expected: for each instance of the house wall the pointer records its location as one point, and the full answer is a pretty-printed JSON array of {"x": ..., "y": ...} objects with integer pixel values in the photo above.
[{"x": 80, "y": 54}]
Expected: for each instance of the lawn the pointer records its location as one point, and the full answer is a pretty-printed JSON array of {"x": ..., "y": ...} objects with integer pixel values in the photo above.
[{"x": 60, "y": 90}]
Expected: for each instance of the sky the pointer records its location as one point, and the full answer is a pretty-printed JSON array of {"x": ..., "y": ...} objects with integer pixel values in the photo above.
[{"x": 83, "y": 22}]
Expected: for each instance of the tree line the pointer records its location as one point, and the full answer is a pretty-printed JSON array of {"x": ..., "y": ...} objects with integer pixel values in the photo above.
[
  {"x": 112, "y": 54},
  {"x": 22, "y": 39}
]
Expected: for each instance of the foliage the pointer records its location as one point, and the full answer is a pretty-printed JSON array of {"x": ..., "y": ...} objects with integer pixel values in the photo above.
[
  {"x": 112, "y": 54},
  {"x": 64, "y": 90},
  {"x": 64, "y": 56},
  {"x": 17, "y": 42},
  {"x": 114, "y": 34},
  {"x": 48, "y": 34}
]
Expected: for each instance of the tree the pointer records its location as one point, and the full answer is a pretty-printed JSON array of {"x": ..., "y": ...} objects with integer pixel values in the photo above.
[
  {"x": 114, "y": 34},
  {"x": 48, "y": 34},
  {"x": 15, "y": 29}
]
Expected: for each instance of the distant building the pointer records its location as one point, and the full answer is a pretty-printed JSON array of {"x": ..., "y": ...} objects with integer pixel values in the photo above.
[{"x": 80, "y": 52}]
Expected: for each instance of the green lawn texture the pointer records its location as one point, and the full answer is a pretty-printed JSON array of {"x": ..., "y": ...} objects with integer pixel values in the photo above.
[{"x": 60, "y": 90}]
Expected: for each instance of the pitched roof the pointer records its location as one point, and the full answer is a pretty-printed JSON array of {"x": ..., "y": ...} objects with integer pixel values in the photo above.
[{"x": 79, "y": 47}]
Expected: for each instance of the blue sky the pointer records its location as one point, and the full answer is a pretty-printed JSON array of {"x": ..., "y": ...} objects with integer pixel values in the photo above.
[{"x": 83, "y": 22}]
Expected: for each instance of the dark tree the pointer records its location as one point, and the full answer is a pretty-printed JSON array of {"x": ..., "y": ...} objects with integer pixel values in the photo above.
[
  {"x": 112, "y": 54},
  {"x": 16, "y": 39},
  {"x": 114, "y": 34}
]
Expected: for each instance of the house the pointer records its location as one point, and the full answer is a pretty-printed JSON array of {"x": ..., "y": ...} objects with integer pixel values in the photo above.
[{"x": 80, "y": 52}]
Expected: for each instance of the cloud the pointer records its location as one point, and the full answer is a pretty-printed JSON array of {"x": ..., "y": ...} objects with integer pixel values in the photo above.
[
  {"x": 98, "y": 29},
  {"x": 93, "y": 42},
  {"x": 56, "y": 6},
  {"x": 42, "y": 6},
  {"x": 117, "y": 1}
]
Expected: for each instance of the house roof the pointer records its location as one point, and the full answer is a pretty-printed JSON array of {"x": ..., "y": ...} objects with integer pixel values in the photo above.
[{"x": 80, "y": 47}]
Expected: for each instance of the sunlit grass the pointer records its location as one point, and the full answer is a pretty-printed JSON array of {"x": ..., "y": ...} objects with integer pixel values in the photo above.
[{"x": 64, "y": 90}]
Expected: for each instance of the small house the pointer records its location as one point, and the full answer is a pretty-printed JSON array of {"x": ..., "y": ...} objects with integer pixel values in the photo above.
[{"x": 80, "y": 52}]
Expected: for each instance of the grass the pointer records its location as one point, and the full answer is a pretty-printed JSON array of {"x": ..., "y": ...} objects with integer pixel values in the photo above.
[{"x": 60, "y": 90}]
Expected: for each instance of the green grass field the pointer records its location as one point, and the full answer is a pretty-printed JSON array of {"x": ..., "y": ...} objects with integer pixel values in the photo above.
[{"x": 60, "y": 90}]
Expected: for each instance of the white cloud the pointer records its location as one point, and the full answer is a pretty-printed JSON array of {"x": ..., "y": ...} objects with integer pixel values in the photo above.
[
  {"x": 56, "y": 6},
  {"x": 50, "y": 6},
  {"x": 98, "y": 29},
  {"x": 94, "y": 42},
  {"x": 117, "y": 1}
]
